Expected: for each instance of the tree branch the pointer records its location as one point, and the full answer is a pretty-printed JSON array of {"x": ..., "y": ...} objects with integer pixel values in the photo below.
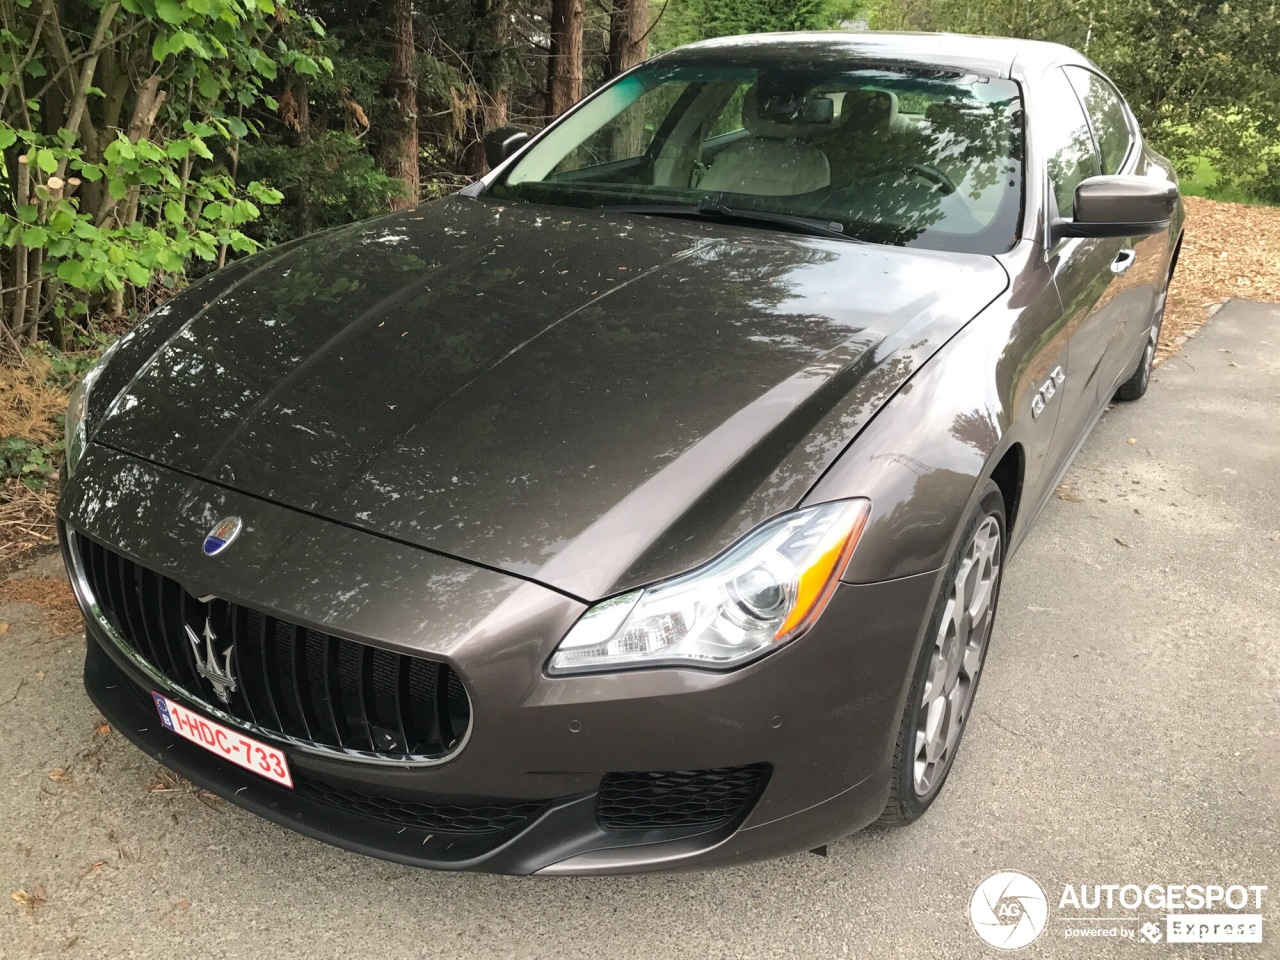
[{"x": 80, "y": 96}]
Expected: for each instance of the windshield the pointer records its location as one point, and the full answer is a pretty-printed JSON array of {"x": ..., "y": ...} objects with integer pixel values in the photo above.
[{"x": 908, "y": 157}]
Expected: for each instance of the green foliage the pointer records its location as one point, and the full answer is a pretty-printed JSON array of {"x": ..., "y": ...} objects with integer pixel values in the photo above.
[
  {"x": 65, "y": 368},
  {"x": 30, "y": 461},
  {"x": 273, "y": 112},
  {"x": 685, "y": 21},
  {"x": 1202, "y": 77},
  {"x": 1205, "y": 181},
  {"x": 39, "y": 385},
  {"x": 165, "y": 194},
  {"x": 330, "y": 180},
  {"x": 179, "y": 220}
]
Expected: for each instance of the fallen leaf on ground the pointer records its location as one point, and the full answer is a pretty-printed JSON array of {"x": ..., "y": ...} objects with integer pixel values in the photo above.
[
  {"x": 31, "y": 901},
  {"x": 1206, "y": 275},
  {"x": 58, "y": 775}
]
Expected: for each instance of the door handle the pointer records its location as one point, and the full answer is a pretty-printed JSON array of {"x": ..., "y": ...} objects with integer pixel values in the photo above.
[{"x": 1123, "y": 261}]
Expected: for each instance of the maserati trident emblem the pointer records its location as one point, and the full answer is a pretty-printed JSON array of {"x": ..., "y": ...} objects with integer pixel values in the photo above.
[
  {"x": 212, "y": 664},
  {"x": 220, "y": 537}
]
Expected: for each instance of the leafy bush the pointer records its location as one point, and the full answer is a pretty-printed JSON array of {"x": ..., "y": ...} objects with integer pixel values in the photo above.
[
  {"x": 1202, "y": 77},
  {"x": 125, "y": 141},
  {"x": 330, "y": 180},
  {"x": 31, "y": 462},
  {"x": 33, "y": 402}
]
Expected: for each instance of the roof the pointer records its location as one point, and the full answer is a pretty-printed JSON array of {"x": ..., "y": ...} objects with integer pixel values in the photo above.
[{"x": 985, "y": 56}]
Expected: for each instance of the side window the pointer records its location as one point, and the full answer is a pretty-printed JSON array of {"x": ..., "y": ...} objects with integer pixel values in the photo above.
[
  {"x": 1106, "y": 115},
  {"x": 628, "y": 135},
  {"x": 729, "y": 120},
  {"x": 1065, "y": 132}
]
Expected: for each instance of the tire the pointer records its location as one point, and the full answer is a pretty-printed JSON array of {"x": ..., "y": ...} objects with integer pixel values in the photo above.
[
  {"x": 1133, "y": 388},
  {"x": 914, "y": 785}
]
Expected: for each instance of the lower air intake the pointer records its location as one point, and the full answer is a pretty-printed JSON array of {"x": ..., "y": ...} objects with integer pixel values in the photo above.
[
  {"x": 679, "y": 798},
  {"x": 495, "y": 816}
]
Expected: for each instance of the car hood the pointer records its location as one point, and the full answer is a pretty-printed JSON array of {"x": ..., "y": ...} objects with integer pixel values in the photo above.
[{"x": 587, "y": 400}]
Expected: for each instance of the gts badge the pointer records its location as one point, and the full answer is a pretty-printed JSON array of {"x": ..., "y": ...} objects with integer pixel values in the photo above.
[{"x": 1046, "y": 392}]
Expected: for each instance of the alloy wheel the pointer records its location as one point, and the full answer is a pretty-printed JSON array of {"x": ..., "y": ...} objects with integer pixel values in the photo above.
[
  {"x": 1148, "y": 358},
  {"x": 958, "y": 651},
  {"x": 1153, "y": 338}
]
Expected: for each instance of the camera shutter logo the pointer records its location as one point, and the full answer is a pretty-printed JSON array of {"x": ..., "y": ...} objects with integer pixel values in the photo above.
[{"x": 1009, "y": 910}]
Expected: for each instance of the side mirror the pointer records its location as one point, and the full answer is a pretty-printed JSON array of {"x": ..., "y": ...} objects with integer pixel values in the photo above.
[
  {"x": 1118, "y": 207},
  {"x": 502, "y": 143}
]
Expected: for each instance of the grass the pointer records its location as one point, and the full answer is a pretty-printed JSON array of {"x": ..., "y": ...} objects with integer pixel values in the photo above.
[{"x": 1203, "y": 182}]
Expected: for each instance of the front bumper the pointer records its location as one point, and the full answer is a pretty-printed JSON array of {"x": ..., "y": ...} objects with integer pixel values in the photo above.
[{"x": 822, "y": 712}]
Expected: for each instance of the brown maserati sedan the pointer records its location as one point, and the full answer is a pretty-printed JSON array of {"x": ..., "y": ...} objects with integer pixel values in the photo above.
[{"x": 644, "y": 505}]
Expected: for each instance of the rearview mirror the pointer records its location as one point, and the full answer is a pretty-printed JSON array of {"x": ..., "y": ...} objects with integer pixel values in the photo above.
[
  {"x": 1118, "y": 207},
  {"x": 501, "y": 143}
]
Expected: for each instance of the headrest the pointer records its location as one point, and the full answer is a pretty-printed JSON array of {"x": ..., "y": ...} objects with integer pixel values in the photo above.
[
  {"x": 780, "y": 115},
  {"x": 869, "y": 109}
]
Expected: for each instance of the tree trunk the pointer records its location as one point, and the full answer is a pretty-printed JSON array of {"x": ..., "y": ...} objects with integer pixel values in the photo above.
[
  {"x": 490, "y": 36},
  {"x": 300, "y": 94},
  {"x": 628, "y": 41},
  {"x": 628, "y": 35},
  {"x": 400, "y": 142},
  {"x": 146, "y": 107},
  {"x": 564, "y": 67},
  {"x": 490, "y": 114},
  {"x": 75, "y": 111},
  {"x": 20, "y": 254}
]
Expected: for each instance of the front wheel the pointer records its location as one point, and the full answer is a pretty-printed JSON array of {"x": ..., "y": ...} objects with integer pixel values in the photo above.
[
  {"x": 950, "y": 664},
  {"x": 1136, "y": 385}
]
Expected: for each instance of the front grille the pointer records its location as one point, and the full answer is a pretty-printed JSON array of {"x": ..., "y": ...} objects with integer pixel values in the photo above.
[
  {"x": 678, "y": 798},
  {"x": 299, "y": 684},
  {"x": 494, "y": 816}
]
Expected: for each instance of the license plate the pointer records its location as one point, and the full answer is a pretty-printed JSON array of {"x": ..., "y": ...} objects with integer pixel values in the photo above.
[{"x": 260, "y": 758}]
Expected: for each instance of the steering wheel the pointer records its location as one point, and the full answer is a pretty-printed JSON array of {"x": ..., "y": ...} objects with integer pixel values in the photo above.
[{"x": 927, "y": 171}]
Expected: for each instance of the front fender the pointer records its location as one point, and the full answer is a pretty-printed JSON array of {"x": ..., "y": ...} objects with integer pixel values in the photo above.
[{"x": 923, "y": 459}]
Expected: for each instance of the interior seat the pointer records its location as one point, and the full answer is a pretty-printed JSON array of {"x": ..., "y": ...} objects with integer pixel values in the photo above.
[
  {"x": 773, "y": 161},
  {"x": 869, "y": 136}
]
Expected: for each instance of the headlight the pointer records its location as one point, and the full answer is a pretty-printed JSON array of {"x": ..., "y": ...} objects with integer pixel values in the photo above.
[
  {"x": 77, "y": 406},
  {"x": 74, "y": 445},
  {"x": 767, "y": 589}
]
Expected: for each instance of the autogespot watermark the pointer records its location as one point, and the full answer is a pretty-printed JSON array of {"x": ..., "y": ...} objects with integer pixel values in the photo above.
[{"x": 1010, "y": 910}]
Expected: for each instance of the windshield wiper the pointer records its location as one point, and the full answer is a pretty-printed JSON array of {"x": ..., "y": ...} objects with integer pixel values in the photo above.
[{"x": 714, "y": 210}]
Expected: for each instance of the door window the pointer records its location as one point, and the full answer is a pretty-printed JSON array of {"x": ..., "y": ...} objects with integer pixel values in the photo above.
[
  {"x": 1072, "y": 154},
  {"x": 628, "y": 135},
  {"x": 1107, "y": 116}
]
